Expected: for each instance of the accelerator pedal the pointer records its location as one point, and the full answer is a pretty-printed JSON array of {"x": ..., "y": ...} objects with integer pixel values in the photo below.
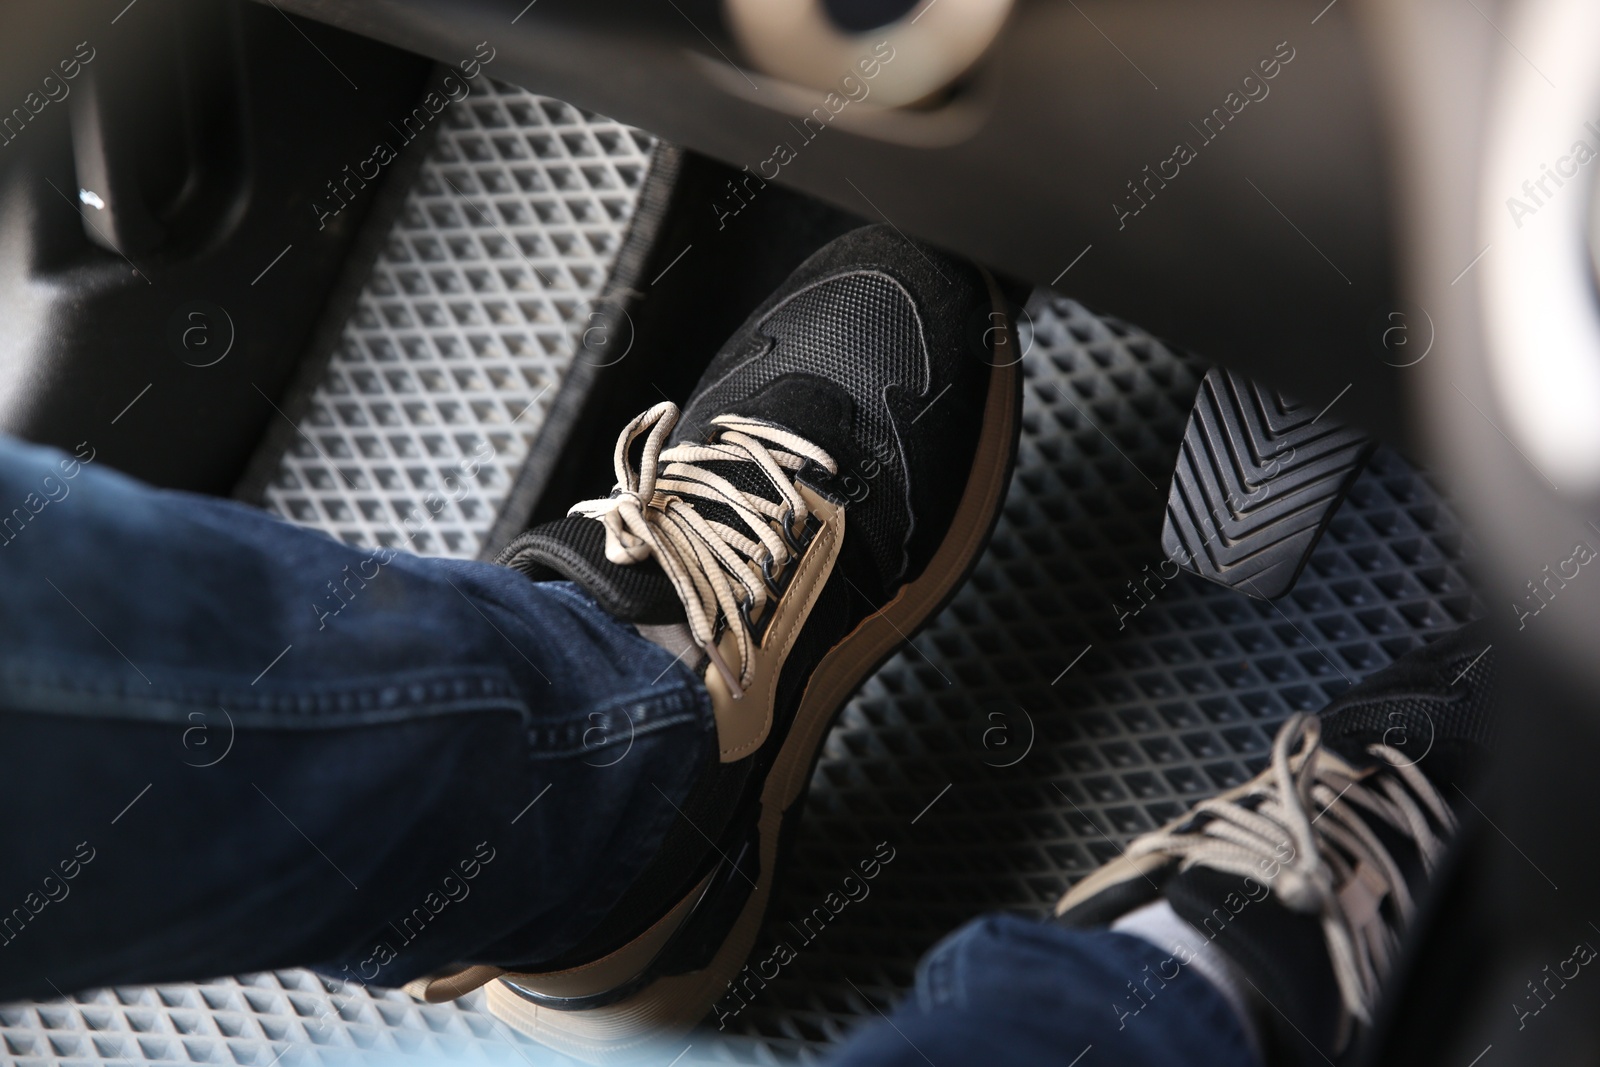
[{"x": 1258, "y": 478}]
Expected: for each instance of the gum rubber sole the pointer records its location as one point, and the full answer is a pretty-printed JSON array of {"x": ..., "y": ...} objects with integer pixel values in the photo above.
[{"x": 631, "y": 1028}]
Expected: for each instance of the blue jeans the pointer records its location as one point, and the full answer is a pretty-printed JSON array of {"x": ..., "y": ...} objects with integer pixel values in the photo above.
[
  {"x": 230, "y": 744},
  {"x": 1009, "y": 990}
]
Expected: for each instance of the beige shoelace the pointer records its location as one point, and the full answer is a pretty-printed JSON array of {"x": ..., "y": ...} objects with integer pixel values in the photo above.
[
  {"x": 715, "y": 568},
  {"x": 1338, "y": 868}
]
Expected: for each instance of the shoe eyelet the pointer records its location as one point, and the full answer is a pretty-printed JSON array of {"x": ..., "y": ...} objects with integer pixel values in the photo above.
[
  {"x": 809, "y": 532},
  {"x": 775, "y": 585},
  {"x": 757, "y": 630}
]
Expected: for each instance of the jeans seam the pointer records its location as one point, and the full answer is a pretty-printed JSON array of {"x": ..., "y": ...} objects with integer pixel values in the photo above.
[
  {"x": 313, "y": 707},
  {"x": 671, "y": 710}
]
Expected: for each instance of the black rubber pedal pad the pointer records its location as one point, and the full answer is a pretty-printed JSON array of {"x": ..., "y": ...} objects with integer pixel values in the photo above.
[{"x": 1258, "y": 478}]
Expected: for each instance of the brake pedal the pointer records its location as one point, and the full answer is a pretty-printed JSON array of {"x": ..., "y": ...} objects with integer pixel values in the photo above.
[{"x": 1258, "y": 478}]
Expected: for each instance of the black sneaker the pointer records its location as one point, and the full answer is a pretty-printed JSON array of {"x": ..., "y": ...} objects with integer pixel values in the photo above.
[
  {"x": 829, "y": 485},
  {"x": 1308, "y": 875}
]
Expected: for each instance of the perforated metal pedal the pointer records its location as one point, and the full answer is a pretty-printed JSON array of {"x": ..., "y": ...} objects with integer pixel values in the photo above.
[{"x": 1257, "y": 479}]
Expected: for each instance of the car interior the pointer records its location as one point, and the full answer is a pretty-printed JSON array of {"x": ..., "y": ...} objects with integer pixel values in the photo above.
[{"x": 397, "y": 270}]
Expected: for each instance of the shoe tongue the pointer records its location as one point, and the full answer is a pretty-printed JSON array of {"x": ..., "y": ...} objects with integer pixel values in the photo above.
[
  {"x": 745, "y": 476},
  {"x": 574, "y": 548}
]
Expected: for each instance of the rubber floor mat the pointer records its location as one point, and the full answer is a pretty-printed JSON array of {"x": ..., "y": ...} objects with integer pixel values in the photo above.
[
  {"x": 466, "y": 326},
  {"x": 1065, "y": 701}
]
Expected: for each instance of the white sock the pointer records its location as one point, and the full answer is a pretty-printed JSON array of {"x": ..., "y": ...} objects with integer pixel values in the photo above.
[{"x": 1158, "y": 924}]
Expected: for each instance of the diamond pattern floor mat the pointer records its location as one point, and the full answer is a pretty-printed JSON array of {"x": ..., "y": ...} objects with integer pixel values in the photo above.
[
  {"x": 445, "y": 371},
  {"x": 1068, "y": 698}
]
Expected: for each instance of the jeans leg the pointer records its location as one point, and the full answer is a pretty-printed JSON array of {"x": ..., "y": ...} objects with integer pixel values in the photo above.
[
  {"x": 230, "y": 744},
  {"x": 1003, "y": 989}
]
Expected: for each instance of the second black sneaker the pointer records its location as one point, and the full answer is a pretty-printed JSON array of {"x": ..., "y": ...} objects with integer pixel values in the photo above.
[
  {"x": 828, "y": 486},
  {"x": 1308, "y": 876}
]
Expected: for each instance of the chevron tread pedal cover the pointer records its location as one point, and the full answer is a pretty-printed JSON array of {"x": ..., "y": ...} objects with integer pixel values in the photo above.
[{"x": 1258, "y": 478}]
